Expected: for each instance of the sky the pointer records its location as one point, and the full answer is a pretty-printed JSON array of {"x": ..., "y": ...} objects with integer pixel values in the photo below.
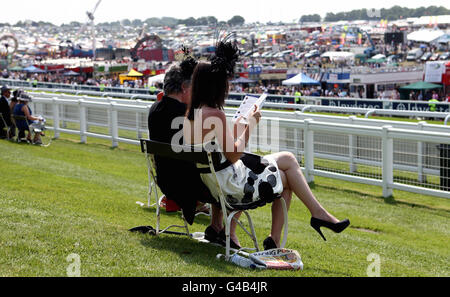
[{"x": 64, "y": 11}]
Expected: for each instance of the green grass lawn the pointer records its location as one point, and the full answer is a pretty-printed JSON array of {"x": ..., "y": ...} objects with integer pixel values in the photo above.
[{"x": 81, "y": 198}]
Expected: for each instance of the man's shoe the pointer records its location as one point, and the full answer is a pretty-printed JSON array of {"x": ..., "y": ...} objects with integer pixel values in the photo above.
[
  {"x": 212, "y": 236},
  {"x": 269, "y": 244}
]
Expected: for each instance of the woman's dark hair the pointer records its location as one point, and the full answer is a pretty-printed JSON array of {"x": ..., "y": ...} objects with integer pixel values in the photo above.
[
  {"x": 210, "y": 79},
  {"x": 16, "y": 95}
]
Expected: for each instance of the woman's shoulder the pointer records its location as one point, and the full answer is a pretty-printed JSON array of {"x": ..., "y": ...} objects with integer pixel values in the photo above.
[{"x": 210, "y": 111}]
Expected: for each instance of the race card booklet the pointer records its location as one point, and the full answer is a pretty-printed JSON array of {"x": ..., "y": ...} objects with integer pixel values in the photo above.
[{"x": 247, "y": 106}]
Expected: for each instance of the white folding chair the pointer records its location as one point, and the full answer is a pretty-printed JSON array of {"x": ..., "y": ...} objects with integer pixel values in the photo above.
[
  {"x": 17, "y": 118},
  {"x": 8, "y": 128},
  {"x": 187, "y": 153}
]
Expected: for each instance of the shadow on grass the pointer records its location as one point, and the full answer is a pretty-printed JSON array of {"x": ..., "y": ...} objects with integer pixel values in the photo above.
[
  {"x": 190, "y": 251},
  {"x": 201, "y": 219}
]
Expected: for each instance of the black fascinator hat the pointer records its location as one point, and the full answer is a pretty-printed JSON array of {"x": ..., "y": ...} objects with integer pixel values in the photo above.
[
  {"x": 226, "y": 57},
  {"x": 188, "y": 64}
]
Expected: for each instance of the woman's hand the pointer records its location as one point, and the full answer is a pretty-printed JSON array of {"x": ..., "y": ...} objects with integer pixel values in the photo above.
[{"x": 255, "y": 116}]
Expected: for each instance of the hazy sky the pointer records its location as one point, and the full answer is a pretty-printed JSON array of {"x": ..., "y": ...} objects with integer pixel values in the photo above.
[{"x": 64, "y": 11}]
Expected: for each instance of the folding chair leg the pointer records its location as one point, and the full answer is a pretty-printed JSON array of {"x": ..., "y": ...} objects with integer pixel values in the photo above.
[
  {"x": 252, "y": 228},
  {"x": 149, "y": 197},
  {"x": 252, "y": 235}
]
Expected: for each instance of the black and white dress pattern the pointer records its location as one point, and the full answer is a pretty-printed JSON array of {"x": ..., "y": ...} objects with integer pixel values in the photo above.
[{"x": 251, "y": 182}]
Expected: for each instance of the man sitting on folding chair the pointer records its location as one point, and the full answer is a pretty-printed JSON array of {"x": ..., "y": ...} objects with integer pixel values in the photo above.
[
  {"x": 180, "y": 181},
  {"x": 5, "y": 113}
]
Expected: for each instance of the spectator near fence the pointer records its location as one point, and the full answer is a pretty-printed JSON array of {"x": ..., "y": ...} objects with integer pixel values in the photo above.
[
  {"x": 432, "y": 104},
  {"x": 5, "y": 111},
  {"x": 27, "y": 119}
]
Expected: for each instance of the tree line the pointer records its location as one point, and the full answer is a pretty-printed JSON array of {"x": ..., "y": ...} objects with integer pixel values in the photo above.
[
  {"x": 393, "y": 13},
  {"x": 173, "y": 22},
  {"x": 152, "y": 22}
]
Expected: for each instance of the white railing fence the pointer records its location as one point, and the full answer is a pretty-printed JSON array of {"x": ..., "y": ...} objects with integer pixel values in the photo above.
[
  {"x": 310, "y": 103},
  {"x": 392, "y": 155}
]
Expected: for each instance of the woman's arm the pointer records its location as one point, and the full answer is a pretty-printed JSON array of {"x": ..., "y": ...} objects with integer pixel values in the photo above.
[
  {"x": 26, "y": 111},
  {"x": 233, "y": 144}
]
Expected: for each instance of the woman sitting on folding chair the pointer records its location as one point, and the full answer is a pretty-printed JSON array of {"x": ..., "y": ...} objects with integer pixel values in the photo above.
[
  {"x": 23, "y": 117},
  {"x": 245, "y": 178}
]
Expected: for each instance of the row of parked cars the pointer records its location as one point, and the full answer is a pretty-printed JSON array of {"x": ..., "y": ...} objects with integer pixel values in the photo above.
[
  {"x": 281, "y": 54},
  {"x": 413, "y": 55},
  {"x": 418, "y": 55}
]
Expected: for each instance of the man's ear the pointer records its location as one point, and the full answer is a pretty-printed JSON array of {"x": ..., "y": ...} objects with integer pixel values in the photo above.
[{"x": 185, "y": 87}]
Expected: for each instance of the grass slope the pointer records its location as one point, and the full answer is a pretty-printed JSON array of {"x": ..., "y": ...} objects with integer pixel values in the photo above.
[{"x": 74, "y": 198}]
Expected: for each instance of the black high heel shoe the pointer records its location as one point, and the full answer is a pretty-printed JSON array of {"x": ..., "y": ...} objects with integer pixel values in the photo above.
[{"x": 337, "y": 228}]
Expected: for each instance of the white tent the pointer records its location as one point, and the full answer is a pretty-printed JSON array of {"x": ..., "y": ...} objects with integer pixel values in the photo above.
[
  {"x": 157, "y": 79},
  {"x": 432, "y": 20},
  {"x": 379, "y": 56},
  {"x": 336, "y": 56},
  {"x": 300, "y": 79},
  {"x": 425, "y": 36}
]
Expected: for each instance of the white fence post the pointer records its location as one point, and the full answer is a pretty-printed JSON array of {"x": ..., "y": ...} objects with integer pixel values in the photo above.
[
  {"x": 83, "y": 125},
  {"x": 55, "y": 108},
  {"x": 63, "y": 113},
  {"x": 309, "y": 151},
  {"x": 388, "y": 162},
  {"x": 352, "y": 148},
  {"x": 114, "y": 125},
  {"x": 421, "y": 176},
  {"x": 138, "y": 125}
]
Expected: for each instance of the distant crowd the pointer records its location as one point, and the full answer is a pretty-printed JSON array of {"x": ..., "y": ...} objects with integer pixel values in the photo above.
[{"x": 254, "y": 88}]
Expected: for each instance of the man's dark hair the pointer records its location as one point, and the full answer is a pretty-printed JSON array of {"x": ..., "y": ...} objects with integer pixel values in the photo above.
[
  {"x": 16, "y": 94},
  {"x": 179, "y": 75},
  {"x": 5, "y": 89}
]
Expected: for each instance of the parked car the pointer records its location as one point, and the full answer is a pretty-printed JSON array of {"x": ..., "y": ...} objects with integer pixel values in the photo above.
[
  {"x": 414, "y": 54},
  {"x": 300, "y": 55},
  {"x": 392, "y": 59},
  {"x": 266, "y": 55},
  {"x": 312, "y": 54},
  {"x": 426, "y": 56},
  {"x": 434, "y": 57},
  {"x": 445, "y": 56}
]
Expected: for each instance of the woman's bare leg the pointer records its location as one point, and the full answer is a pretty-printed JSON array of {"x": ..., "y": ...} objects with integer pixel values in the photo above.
[
  {"x": 216, "y": 218},
  {"x": 278, "y": 213},
  {"x": 233, "y": 226},
  {"x": 287, "y": 163}
]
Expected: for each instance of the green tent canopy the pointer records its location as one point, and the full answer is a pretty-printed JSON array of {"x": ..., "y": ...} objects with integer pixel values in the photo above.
[
  {"x": 376, "y": 61},
  {"x": 16, "y": 68},
  {"x": 421, "y": 85}
]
